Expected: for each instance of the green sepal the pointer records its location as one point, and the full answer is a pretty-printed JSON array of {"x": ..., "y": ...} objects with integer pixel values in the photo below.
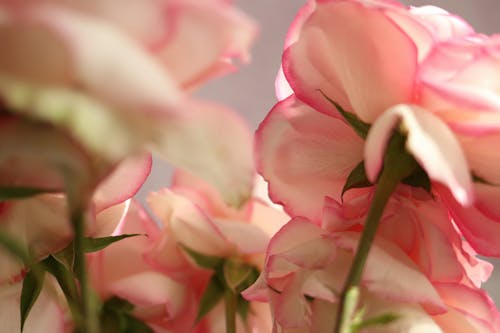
[
  {"x": 360, "y": 127},
  {"x": 356, "y": 179},
  {"x": 32, "y": 286},
  {"x": 116, "y": 318},
  {"x": 67, "y": 255},
  {"x": 96, "y": 244},
  {"x": 383, "y": 319},
  {"x": 212, "y": 295},
  {"x": 204, "y": 261},
  {"x": 235, "y": 274},
  {"x": 418, "y": 178},
  {"x": 64, "y": 277},
  {"x": 243, "y": 308},
  {"x": 20, "y": 192}
]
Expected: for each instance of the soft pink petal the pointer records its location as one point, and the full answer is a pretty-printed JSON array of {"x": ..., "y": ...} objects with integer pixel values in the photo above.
[
  {"x": 188, "y": 224},
  {"x": 40, "y": 223},
  {"x": 45, "y": 316},
  {"x": 204, "y": 37},
  {"x": 305, "y": 156},
  {"x": 429, "y": 140},
  {"x": 388, "y": 265},
  {"x": 474, "y": 304},
  {"x": 248, "y": 238},
  {"x": 108, "y": 266},
  {"x": 139, "y": 82},
  {"x": 364, "y": 77},
  {"x": 480, "y": 230},
  {"x": 213, "y": 143},
  {"x": 124, "y": 182}
]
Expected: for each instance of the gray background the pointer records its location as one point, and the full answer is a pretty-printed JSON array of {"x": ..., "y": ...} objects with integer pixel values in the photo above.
[{"x": 251, "y": 89}]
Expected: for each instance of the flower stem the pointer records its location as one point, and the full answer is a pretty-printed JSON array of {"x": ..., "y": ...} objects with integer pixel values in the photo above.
[
  {"x": 89, "y": 323},
  {"x": 230, "y": 299},
  {"x": 398, "y": 164}
]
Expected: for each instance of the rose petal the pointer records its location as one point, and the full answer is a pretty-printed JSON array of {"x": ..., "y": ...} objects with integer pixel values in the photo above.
[
  {"x": 213, "y": 143},
  {"x": 429, "y": 140},
  {"x": 305, "y": 156},
  {"x": 364, "y": 77},
  {"x": 124, "y": 182}
]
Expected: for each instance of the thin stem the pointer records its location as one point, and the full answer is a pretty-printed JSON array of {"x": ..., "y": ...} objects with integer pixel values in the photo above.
[
  {"x": 398, "y": 164},
  {"x": 230, "y": 299},
  {"x": 90, "y": 323}
]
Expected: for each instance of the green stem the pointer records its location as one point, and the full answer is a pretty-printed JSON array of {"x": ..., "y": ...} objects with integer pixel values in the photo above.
[
  {"x": 230, "y": 300},
  {"x": 398, "y": 164},
  {"x": 90, "y": 323}
]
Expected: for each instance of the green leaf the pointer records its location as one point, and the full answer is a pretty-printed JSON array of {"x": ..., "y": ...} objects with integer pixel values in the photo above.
[
  {"x": 96, "y": 244},
  {"x": 15, "y": 193},
  {"x": 356, "y": 179},
  {"x": 32, "y": 286},
  {"x": 204, "y": 261},
  {"x": 360, "y": 127},
  {"x": 212, "y": 295}
]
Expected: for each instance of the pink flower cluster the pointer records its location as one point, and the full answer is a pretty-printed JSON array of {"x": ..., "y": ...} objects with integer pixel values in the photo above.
[
  {"x": 355, "y": 72},
  {"x": 87, "y": 92}
]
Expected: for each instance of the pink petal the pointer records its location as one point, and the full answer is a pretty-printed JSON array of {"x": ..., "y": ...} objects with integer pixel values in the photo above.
[
  {"x": 124, "y": 182},
  {"x": 480, "y": 230},
  {"x": 388, "y": 265},
  {"x": 258, "y": 291},
  {"x": 219, "y": 145},
  {"x": 45, "y": 316},
  {"x": 139, "y": 82},
  {"x": 189, "y": 225},
  {"x": 474, "y": 304},
  {"x": 40, "y": 223},
  {"x": 364, "y": 77},
  {"x": 429, "y": 140},
  {"x": 248, "y": 238},
  {"x": 203, "y": 38},
  {"x": 26, "y": 146},
  {"x": 305, "y": 156}
]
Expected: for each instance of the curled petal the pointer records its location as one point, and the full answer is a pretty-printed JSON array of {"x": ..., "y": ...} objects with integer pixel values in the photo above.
[
  {"x": 186, "y": 52},
  {"x": 429, "y": 140},
  {"x": 305, "y": 156},
  {"x": 124, "y": 182}
]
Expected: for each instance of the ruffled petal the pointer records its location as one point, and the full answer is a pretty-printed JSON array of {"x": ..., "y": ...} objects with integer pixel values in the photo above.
[{"x": 364, "y": 77}]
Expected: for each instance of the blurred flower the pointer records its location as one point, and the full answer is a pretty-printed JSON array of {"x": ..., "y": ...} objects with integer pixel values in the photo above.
[{"x": 114, "y": 76}]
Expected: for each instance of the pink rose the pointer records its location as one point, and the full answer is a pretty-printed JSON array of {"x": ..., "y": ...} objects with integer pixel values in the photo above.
[
  {"x": 103, "y": 67},
  {"x": 419, "y": 70},
  {"x": 304, "y": 273}
]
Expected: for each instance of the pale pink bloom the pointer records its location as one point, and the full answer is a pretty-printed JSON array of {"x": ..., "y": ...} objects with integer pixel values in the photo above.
[
  {"x": 106, "y": 67},
  {"x": 122, "y": 270},
  {"x": 304, "y": 273},
  {"x": 441, "y": 90},
  {"x": 194, "y": 216}
]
